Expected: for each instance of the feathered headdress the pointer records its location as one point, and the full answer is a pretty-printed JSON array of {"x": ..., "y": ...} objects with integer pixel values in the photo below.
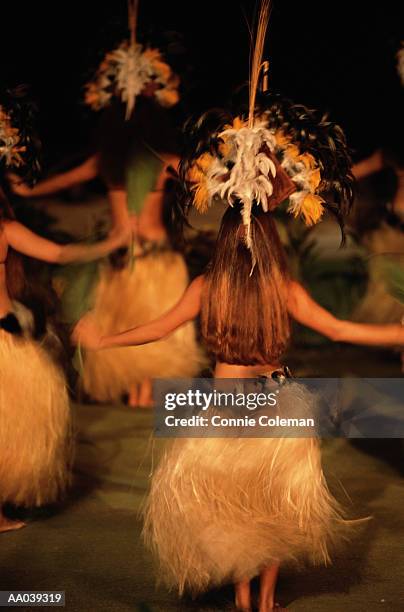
[
  {"x": 277, "y": 151},
  {"x": 19, "y": 145},
  {"x": 127, "y": 70}
]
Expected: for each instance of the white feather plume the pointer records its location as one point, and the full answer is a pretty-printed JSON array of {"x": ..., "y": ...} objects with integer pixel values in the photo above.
[
  {"x": 132, "y": 71},
  {"x": 125, "y": 71},
  {"x": 10, "y": 141},
  {"x": 250, "y": 179}
]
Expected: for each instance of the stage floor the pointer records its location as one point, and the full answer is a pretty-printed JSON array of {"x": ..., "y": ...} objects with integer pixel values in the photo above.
[{"x": 91, "y": 547}]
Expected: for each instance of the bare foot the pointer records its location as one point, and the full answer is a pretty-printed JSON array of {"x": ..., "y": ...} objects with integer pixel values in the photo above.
[
  {"x": 243, "y": 596},
  {"x": 9, "y": 525},
  {"x": 146, "y": 393},
  {"x": 133, "y": 399},
  {"x": 268, "y": 579},
  {"x": 271, "y": 607}
]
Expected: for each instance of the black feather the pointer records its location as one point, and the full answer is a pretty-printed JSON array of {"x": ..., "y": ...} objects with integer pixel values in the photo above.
[
  {"x": 312, "y": 131},
  {"x": 11, "y": 324}
]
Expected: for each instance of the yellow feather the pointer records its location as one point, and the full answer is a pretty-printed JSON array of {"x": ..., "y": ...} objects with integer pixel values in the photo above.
[
  {"x": 239, "y": 123},
  {"x": 293, "y": 152},
  {"x": 197, "y": 175},
  {"x": 308, "y": 160},
  {"x": 199, "y": 168},
  {"x": 194, "y": 174},
  {"x": 201, "y": 197},
  {"x": 281, "y": 139},
  {"x": 315, "y": 179},
  {"x": 311, "y": 209},
  {"x": 224, "y": 149},
  {"x": 205, "y": 161},
  {"x": 162, "y": 69},
  {"x": 152, "y": 54},
  {"x": 168, "y": 97}
]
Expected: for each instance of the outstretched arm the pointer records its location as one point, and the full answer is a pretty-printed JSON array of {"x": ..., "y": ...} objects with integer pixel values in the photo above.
[
  {"x": 118, "y": 202},
  {"x": 185, "y": 310},
  {"x": 368, "y": 166},
  {"x": 21, "y": 239},
  {"x": 81, "y": 174},
  {"x": 305, "y": 310}
]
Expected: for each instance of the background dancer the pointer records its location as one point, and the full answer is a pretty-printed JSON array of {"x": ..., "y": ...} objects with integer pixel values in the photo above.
[{"x": 35, "y": 429}]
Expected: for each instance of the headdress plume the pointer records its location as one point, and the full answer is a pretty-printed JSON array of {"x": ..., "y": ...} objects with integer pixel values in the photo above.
[
  {"x": 279, "y": 151},
  {"x": 126, "y": 71}
]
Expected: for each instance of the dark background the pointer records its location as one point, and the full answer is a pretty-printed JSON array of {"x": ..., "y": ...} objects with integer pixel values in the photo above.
[{"x": 336, "y": 56}]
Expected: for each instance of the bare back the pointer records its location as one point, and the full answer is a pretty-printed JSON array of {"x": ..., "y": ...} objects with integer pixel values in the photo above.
[{"x": 150, "y": 219}]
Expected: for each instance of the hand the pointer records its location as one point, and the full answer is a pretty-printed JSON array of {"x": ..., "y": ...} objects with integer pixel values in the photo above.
[
  {"x": 87, "y": 334},
  {"x": 121, "y": 235},
  {"x": 155, "y": 232},
  {"x": 125, "y": 232},
  {"x": 18, "y": 186}
]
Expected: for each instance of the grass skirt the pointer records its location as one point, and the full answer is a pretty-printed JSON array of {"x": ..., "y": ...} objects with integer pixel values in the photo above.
[
  {"x": 35, "y": 436},
  {"x": 220, "y": 509},
  {"x": 128, "y": 298}
]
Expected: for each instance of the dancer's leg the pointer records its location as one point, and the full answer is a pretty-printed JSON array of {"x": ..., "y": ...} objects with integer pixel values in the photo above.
[
  {"x": 7, "y": 524},
  {"x": 243, "y": 596},
  {"x": 146, "y": 393},
  {"x": 133, "y": 399},
  {"x": 268, "y": 578}
]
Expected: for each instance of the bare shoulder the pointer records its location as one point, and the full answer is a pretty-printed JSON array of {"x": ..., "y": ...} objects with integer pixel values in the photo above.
[
  {"x": 13, "y": 229},
  {"x": 9, "y": 225},
  {"x": 295, "y": 290},
  {"x": 199, "y": 281},
  {"x": 196, "y": 286},
  {"x": 171, "y": 159},
  {"x": 298, "y": 298}
]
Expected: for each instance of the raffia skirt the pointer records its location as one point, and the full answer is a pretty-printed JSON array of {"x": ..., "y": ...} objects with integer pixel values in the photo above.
[
  {"x": 221, "y": 509},
  {"x": 35, "y": 426},
  {"x": 130, "y": 297}
]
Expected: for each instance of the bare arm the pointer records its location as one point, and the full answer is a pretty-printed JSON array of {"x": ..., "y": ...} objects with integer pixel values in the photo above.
[
  {"x": 26, "y": 242},
  {"x": 81, "y": 174},
  {"x": 306, "y": 311},
  {"x": 185, "y": 310},
  {"x": 368, "y": 166},
  {"x": 118, "y": 202}
]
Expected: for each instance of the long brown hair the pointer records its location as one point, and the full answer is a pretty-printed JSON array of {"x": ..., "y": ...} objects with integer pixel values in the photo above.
[{"x": 244, "y": 318}]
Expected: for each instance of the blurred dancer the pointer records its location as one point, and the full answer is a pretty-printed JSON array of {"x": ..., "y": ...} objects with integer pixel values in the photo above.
[
  {"x": 385, "y": 243},
  {"x": 137, "y": 159},
  {"x": 35, "y": 436}
]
